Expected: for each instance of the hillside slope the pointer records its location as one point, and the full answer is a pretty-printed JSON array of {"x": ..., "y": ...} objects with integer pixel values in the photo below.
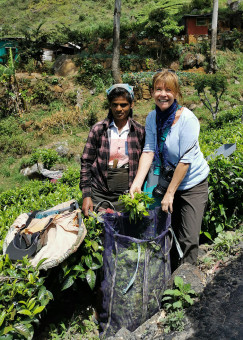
[{"x": 79, "y": 16}]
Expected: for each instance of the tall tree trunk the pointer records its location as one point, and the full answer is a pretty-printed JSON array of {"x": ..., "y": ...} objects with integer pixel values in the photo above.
[
  {"x": 116, "y": 43},
  {"x": 213, "y": 64}
]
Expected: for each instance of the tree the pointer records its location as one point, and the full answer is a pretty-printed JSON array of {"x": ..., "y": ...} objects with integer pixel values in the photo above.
[
  {"x": 31, "y": 46},
  {"x": 210, "y": 85},
  {"x": 11, "y": 100},
  {"x": 162, "y": 27},
  {"x": 213, "y": 64},
  {"x": 116, "y": 43}
]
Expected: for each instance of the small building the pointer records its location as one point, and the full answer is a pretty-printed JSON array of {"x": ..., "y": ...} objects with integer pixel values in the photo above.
[
  {"x": 5, "y": 45},
  {"x": 197, "y": 27}
]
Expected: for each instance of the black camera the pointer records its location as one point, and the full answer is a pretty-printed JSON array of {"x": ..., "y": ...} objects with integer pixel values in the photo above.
[{"x": 165, "y": 177}]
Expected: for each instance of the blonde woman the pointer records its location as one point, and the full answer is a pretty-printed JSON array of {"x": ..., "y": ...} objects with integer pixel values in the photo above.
[{"x": 172, "y": 148}]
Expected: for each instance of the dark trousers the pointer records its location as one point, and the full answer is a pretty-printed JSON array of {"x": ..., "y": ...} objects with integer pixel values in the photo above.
[
  {"x": 188, "y": 209},
  {"x": 118, "y": 183}
]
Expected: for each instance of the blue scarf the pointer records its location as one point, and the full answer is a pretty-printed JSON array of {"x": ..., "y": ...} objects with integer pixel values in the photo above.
[{"x": 164, "y": 121}]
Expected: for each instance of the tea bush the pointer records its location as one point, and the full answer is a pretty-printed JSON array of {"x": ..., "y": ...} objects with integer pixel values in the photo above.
[
  {"x": 225, "y": 195},
  {"x": 23, "y": 297},
  {"x": 94, "y": 75},
  {"x": 224, "y": 210},
  {"x": 46, "y": 156}
]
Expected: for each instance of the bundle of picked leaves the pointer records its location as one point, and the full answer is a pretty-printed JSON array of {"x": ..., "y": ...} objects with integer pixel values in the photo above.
[{"x": 137, "y": 206}]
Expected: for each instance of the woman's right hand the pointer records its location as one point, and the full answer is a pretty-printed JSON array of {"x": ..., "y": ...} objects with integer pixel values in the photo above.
[
  {"x": 87, "y": 205},
  {"x": 135, "y": 188}
]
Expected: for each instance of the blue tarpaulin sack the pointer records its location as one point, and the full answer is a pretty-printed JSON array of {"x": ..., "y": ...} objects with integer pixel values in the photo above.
[{"x": 136, "y": 269}]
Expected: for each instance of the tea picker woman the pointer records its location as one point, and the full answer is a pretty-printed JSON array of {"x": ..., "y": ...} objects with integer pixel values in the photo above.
[
  {"x": 111, "y": 155},
  {"x": 178, "y": 165}
]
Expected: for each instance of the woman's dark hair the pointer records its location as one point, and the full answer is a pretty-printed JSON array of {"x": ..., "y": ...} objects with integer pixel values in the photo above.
[{"x": 119, "y": 92}]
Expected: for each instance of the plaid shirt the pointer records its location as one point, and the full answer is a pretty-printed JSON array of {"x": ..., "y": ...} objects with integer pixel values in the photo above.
[{"x": 96, "y": 154}]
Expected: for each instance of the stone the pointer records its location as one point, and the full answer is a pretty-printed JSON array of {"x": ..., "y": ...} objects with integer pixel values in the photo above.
[
  {"x": 190, "y": 274},
  {"x": 175, "y": 65},
  {"x": 192, "y": 107},
  {"x": 64, "y": 65},
  {"x": 189, "y": 61},
  {"x": 62, "y": 148},
  {"x": 200, "y": 59},
  {"x": 57, "y": 89},
  {"x": 124, "y": 334},
  {"x": 58, "y": 167},
  {"x": 33, "y": 172},
  {"x": 148, "y": 329}
]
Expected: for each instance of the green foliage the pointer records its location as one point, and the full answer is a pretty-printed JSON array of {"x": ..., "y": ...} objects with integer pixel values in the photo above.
[
  {"x": 71, "y": 177},
  {"x": 197, "y": 6},
  {"x": 74, "y": 328},
  {"x": 94, "y": 75},
  {"x": 174, "y": 301},
  {"x": 210, "y": 84},
  {"x": 232, "y": 40},
  {"x": 46, "y": 156},
  {"x": 224, "y": 243},
  {"x": 14, "y": 145},
  {"x": 87, "y": 260},
  {"x": 174, "y": 321},
  {"x": 136, "y": 207},
  {"x": 180, "y": 297},
  {"x": 42, "y": 92},
  {"x": 31, "y": 46},
  {"x": 11, "y": 100},
  {"x": 225, "y": 195},
  {"x": 23, "y": 297}
]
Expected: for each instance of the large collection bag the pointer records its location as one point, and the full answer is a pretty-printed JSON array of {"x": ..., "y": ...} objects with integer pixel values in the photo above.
[
  {"x": 53, "y": 234},
  {"x": 136, "y": 269}
]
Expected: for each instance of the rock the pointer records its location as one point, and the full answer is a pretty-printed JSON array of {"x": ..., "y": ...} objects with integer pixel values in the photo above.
[
  {"x": 51, "y": 174},
  {"x": 62, "y": 148},
  {"x": 175, "y": 65},
  {"x": 37, "y": 171},
  {"x": 190, "y": 274},
  {"x": 122, "y": 334},
  {"x": 58, "y": 167},
  {"x": 148, "y": 329},
  {"x": 200, "y": 59},
  {"x": 64, "y": 65},
  {"x": 237, "y": 82},
  {"x": 33, "y": 172},
  {"x": 80, "y": 99},
  {"x": 146, "y": 94},
  {"x": 57, "y": 89},
  {"x": 189, "y": 61},
  {"x": 192, "y": 107}
]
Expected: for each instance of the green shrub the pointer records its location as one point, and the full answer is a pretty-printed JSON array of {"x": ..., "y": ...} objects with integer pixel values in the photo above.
[
  {"x": 14, "y": 145},
  {"x": 23, "y": 297},
  {"x": 94, "y": 75},
  {"x": 224, "y": 209},
  {"x": 42, "y": 92},
  {"x": 9, "y": 126},
  {"x": 209, "y": 86},
  {"x": 225, "y": 118},
  {"x": 71, "y": 177},
  {"x": 46, "y": 156}
]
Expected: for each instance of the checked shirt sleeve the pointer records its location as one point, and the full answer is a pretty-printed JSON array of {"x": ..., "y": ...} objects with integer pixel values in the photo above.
[{"x": 87, "y": 159}]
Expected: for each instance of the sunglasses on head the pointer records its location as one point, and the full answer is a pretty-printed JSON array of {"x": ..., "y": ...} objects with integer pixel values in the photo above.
[{"x": 169, "y": 70}]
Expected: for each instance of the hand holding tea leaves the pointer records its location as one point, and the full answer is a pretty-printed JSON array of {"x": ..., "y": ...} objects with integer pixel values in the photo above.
[{"x": 137, "y": 206}]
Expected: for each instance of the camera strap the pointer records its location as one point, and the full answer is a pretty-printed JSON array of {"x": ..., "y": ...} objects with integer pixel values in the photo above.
[{"x": 187, "y": 151}]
